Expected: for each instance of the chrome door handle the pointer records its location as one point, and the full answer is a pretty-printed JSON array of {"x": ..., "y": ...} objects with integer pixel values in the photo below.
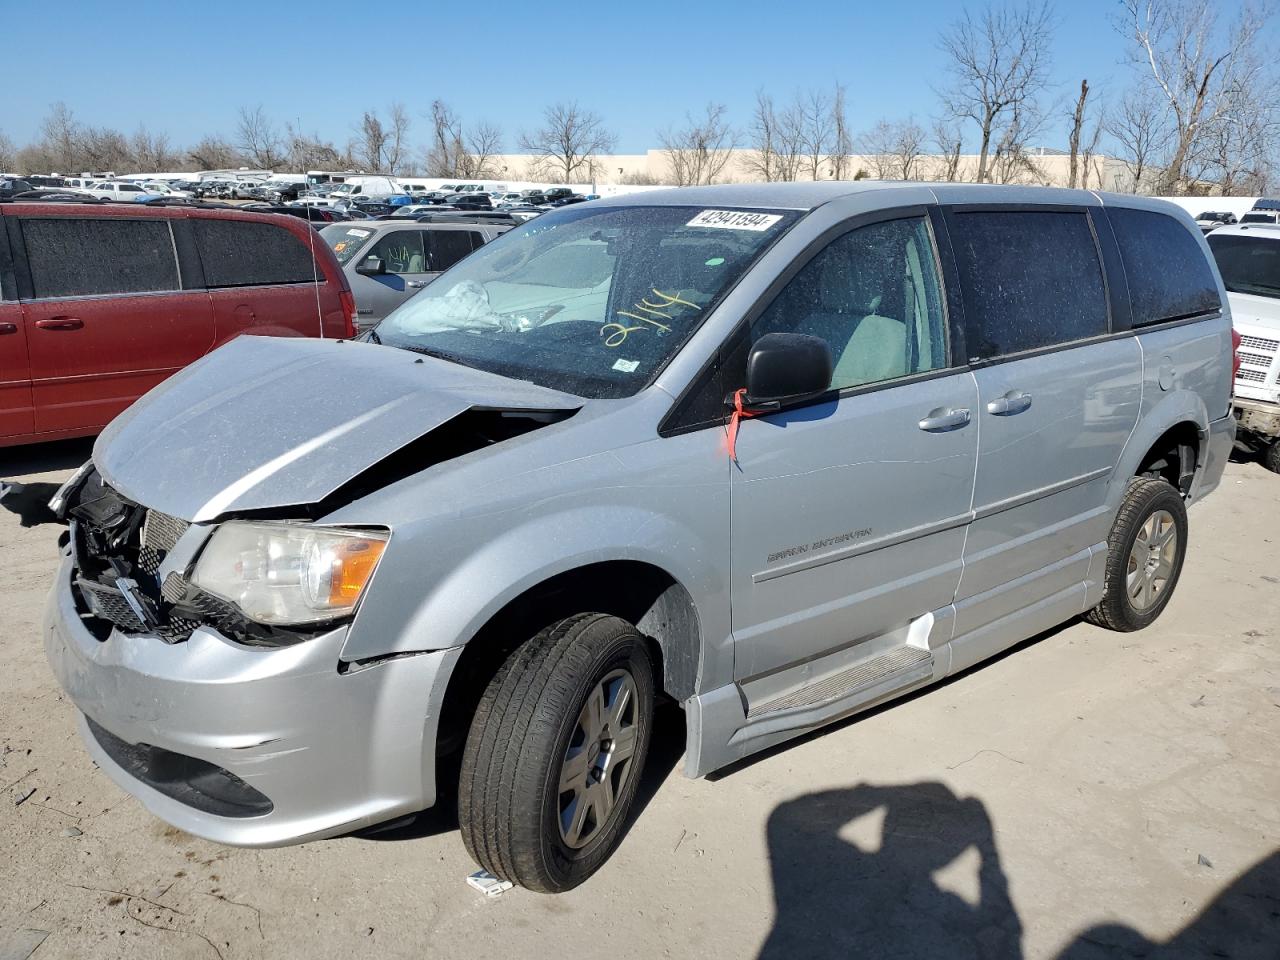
[
  {"x": 60, "y": 323},
  {"x": 8, "y": 328},
  {"x": 943, "y": 419},
  {"x": 415, "y": 283},
  {"x": 1015, "y": 401}
]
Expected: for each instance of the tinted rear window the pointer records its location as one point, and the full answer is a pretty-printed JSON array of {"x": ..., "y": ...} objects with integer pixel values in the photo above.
[
  {"x": 1031, "y": 279},
  {"x": 241, "y": 253},
  {"x": 71, "y": 257},
  {"x": 447, "y": 247},
  {"x": 1248, "y": 264},
  {"x": 1169, "y": 275}
]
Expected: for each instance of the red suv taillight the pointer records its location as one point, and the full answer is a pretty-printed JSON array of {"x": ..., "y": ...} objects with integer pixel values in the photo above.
[
  {"x": 1235, "y": 352},
  {"x": 348, "y": 301}
]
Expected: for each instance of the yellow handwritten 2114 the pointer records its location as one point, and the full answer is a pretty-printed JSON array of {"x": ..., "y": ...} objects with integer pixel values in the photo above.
[{"x": 645, "y": 312}]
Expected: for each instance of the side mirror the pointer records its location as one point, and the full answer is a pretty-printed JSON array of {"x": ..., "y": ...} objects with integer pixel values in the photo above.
[
  {"x": 371, "y": 267},
  {"x": 786, "y": 367}
]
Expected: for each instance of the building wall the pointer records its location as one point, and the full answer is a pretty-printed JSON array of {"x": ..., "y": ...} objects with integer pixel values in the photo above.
[{"x": 654, "y": 166}]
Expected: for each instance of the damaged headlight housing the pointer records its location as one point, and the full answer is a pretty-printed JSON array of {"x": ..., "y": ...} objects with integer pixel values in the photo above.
[{"x": 289, "y": 574}]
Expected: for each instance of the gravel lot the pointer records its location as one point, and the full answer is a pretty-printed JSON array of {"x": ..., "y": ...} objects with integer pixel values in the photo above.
[{"x": 1087, "y": 795}]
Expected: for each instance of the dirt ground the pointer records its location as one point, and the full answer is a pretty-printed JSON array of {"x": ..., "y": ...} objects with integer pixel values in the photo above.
[{"x": 1088, "y": 794}]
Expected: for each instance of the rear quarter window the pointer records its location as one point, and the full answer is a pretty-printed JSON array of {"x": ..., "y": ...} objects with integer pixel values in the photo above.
[
  {"x": 1169, "y": 275},
  {"x": 74, "y": 257},
  {"x": 1030, "y": 279},
  {"x": 242, "y": 253},
  {"x": 447, "y": 247}
]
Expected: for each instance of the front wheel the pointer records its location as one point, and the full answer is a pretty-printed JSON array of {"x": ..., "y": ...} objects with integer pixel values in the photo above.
[
  {"x": 1146, "y": 548},
  {"x": 555, "y": 752}
]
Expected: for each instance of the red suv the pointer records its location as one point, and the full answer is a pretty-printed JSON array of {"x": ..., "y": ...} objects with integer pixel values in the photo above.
[{"x": 100, "y": 302}]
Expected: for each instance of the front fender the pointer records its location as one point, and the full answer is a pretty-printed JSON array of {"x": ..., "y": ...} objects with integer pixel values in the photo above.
[{"x": 451, "y": 610}]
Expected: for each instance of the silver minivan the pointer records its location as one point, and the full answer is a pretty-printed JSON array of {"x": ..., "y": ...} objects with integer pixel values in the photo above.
[
  {"x": 777, "y": 453},
  {"x": 388, "y": 261}
]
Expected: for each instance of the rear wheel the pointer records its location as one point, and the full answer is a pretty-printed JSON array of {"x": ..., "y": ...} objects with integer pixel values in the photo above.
[
  {"x": 555, "y": 752},
  {"x": 1146, "y": 548}
]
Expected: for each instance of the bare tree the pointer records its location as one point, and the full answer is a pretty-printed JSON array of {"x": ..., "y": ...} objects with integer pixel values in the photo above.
[
  {"x": 8, "y": 155},
  {"x": 308, "y": 151},
  {"x": 151, "y": 151},
  {"x": 444, "y": 155},
  {"x": 698, "y": 152},
  {"x": 841, "y": 139},
  {"x": 1012, "y": 160},
  {"x": 814, "y": 112},
  {"x": 1202, "y": 72},
  {"x": 1077, "y": 126},
  {"x": 894, "y": 150},
  {"x": 214, "y": 153},
  {"x": 483, "y": 145},
  {"x": 949, "y": 140},
  {"x": 568, "y": 140},
  {"x": 999, "y": 64},
  {"x": 762, "y": 135},
  {"x": 370, "y": 142},
  {"x": 259, "y": 139},
  {"x": 1139, "y": 127},
  {"x": 59, "y": 145}
]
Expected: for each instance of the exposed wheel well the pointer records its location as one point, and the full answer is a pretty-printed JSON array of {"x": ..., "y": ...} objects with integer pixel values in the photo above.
[
  {"x": 642, "y": 594},
  {"x": 1174, "y": 457}
]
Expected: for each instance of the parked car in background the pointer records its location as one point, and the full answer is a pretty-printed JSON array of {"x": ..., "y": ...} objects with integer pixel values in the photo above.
[
  {"x": 162, "y": 189},
  {"x": 1248, "y": 257},
  {"x": 104, "y": 301},
  {"x": 121, "y": 190},
  {"x": 387, "y": 261},
  {"x": 247, "y": 190},
  {"x": 520, "y": 510},
  {"x": 282, "y": 191},
  {"x": 1261, "y": 216},
  {"x": 12, "y": 186},
  {"x": 318, "y": 216},
  {"x": 470, "y": 201},
  {"x": 1212, "y": 219}
]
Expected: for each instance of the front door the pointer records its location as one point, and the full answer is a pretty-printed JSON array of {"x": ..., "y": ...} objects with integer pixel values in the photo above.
[
  {"x": 404, "y": 260},
  {"x": 16, "y": 419},
  {"x": 849, "y": 514},
  {"x": 105, "y": 314}
]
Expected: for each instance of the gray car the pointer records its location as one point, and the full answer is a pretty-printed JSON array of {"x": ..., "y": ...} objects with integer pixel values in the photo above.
[
  {"x": 388, "y": 261},
  {"x": 777, "y": 453}
]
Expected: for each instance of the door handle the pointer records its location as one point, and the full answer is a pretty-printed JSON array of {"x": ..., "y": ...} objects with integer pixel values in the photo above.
[
  {"x": 1015, "y": 401},
  {"x": 944, "y": 419},
  {"x": 60, "y": 323},
  {"x": 8, "y": 328},
  {"x": 415, "y": 283}
]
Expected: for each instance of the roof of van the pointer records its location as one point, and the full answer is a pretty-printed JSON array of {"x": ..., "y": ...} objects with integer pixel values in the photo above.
[
  {"x": 807, "y": 195},
  {"x": 1270, "y": 231}
]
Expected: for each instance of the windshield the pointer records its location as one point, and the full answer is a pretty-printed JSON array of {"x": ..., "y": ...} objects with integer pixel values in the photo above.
[
  {"x": 1248, "y": 264},
  {"x": 344, "y": 241},
  {"x": 591, "y": 300}
]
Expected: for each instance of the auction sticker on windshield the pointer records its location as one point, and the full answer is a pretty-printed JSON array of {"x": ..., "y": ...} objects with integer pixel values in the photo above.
[
  {"x": 353, "y": 232},
  {"x": 734, "y": 220}
]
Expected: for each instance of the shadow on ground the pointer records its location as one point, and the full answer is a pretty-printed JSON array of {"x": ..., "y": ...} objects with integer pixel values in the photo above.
[{"x": 851, "y": 890}]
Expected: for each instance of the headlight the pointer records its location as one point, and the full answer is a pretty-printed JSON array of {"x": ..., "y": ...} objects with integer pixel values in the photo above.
[{"x": 279, "y": 573}]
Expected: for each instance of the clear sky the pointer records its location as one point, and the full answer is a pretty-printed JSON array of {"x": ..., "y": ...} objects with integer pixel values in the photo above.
[{"x": 185, "y": 68}]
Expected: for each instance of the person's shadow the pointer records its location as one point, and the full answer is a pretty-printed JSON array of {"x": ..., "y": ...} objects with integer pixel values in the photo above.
[
  {"x": 849, "y": 884},
  {"x": 847, "y": 898}
]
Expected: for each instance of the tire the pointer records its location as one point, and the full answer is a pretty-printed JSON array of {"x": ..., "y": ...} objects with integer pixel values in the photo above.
[
  {"x": 1271, "y": 457},
  {"x": 1141, "y": 577},
  {"x": 533, "y": 732}
]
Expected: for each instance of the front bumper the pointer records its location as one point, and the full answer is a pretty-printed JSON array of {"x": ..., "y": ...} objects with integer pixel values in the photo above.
[{"x": 331, "y": 752}]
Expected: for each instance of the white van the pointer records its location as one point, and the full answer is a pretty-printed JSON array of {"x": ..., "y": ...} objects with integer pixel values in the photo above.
[{"x": 368, "y": 186}]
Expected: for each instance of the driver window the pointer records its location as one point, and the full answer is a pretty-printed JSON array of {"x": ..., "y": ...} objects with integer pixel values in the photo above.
[
  {"x": 401, "y": 252},
  {"x": 874, "y": 296}
]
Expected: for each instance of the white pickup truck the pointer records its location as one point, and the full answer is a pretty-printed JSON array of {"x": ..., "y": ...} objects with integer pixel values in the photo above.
[{"x": 1248, "y": 256}]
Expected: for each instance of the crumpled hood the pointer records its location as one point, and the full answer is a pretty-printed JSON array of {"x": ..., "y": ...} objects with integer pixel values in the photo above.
[{"x": 267, "y": 423}]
